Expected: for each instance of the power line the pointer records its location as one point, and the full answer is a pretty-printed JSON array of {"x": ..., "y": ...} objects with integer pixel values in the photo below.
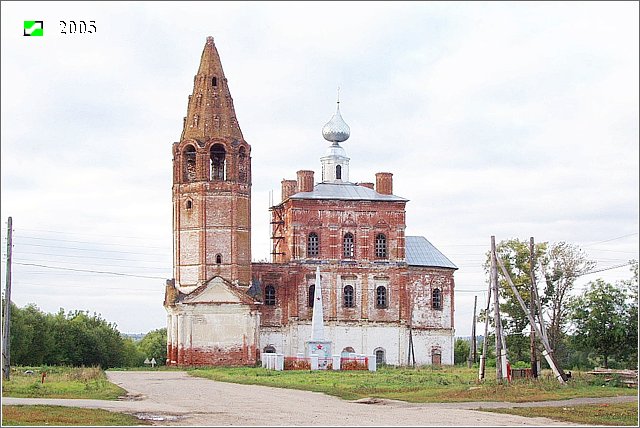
[
  {"x": 87, "y": 242},
  {"x": 612, "y": 239},
  {"x": 91, "y": 271}
]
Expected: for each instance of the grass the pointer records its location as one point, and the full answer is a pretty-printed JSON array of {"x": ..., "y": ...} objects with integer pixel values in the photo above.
[
  {"x": 420, "y": 385},
  {"x": 623, "y": 414},
  {"x": 61, "y": 382},
  {"x": 65, "y": 416}
]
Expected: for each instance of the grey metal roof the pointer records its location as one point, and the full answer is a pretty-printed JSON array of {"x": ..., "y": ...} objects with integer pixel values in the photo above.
[
  {"x": 345, "y": 191},
  {"x": 421, "y": 252}
]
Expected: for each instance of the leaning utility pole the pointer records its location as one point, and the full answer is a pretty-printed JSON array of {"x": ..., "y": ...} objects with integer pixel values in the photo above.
[
  {"x": 472, "y": 349},
  {"x": 532, "y": 305},
  {"x": 496, "y": 311},
  {"x": 6, "y": 337},
  {"x": 547, "y": 353}
]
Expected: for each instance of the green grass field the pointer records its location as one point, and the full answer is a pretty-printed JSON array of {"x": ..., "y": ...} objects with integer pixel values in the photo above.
[
  {"x": 624, "y": 414},
  {"x": 65, "y": 416},
  {"x": 420, "y": 385},
  {"x": 61, "y": 382}
]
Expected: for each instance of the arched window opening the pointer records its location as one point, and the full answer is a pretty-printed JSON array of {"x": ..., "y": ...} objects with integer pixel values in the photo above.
[
  {"x": 269, "y": 295},
  {"x": 218, "y": 259},
  {"x": 214, "y": 81},
  {"x": 436, "y": 301},
  {"x": 189, "y": 156},
  {"x": 380, "y": 357},
  {"x": 269, "y": 349},
  {"x": 381, "y": 297},
  {"x": 338, "y": 172},
  {"x": 188, "y": 204},
  {"x": 313, "y": 245},
  {"x": 312, "y": 294},
  {"x": 242, "y": 166},
  {"x": 348, "y": 296},
  {"x": 347, "y": 247},
  {"x": 381, "y": 246},
  {"x": 218, "y": 162}
]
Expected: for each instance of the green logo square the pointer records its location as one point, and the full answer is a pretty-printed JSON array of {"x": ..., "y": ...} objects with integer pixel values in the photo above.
[{"x": 34, "y": 28}]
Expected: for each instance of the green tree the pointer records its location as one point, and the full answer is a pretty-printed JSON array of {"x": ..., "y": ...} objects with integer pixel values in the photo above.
[
  {"x": 154, "y": 345},
  {"x": 461, "y": 351},
  {"x": 30, "y": 335},
  {"x": 600, "y": 317},
  {"x": 132, "y": 356}
]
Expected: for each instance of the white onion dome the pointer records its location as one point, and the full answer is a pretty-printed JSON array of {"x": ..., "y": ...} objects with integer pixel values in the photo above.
[{"x": 336, "y": 130}]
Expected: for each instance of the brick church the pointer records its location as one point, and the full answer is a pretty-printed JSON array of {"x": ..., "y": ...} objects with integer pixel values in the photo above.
[{"x": 384, "y": 293}]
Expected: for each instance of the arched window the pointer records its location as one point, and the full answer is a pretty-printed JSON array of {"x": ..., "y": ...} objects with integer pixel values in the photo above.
[
  {"x": 218, "y": 259},
  {"x": 381, "y": 246},
  {"x": 348, "y": 350},
  {"x": 269, "y": 349},
  {"x": 348, "y": 296},
  {"x": 269, "y": 295},
  {"x": 379, "y": 353},
  {"x": 214, "y": 81},
  {"x": 347, "y": 246},
  {"x": 313, "y": 245},
  {"x": 242, "y": 165},
  {"x": 218, "y": 162},
  {"x": 436, "y": 299},
  {"x": 312, "y": 293},
  {"x": 189, "y": 155},
  {"x": 338, "y": 172},
  {"x": 188, "y": 204},
  {"x": 381, "y": 297}
]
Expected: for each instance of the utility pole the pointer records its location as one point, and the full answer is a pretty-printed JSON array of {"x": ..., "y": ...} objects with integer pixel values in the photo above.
[
  {"x": 496, "y": 311},
  {"x": 6, "y": 337},
  {"x": 483, "y": 356},
  {"x": 472, "y": 348},
  {"x": 547, "y": 353},
  {"x": 532, "y": 305}
]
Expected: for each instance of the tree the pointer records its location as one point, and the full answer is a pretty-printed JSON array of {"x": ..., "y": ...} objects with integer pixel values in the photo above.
[
  {"x": 154, "y": 345},
  {"x": 564, "y": 264},
  {"x": 461, "y": 351},
  {"x": 599, "y": 318}
]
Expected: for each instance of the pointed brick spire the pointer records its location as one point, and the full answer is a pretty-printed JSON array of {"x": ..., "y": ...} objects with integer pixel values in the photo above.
[{"x": 210, "y": 113}]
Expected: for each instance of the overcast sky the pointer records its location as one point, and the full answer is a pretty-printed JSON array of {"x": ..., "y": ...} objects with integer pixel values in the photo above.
[{"x": 505, "y": 119}]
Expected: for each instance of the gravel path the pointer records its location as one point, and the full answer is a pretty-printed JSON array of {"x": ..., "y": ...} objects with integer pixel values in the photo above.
[{"x": 175, "y": 398}]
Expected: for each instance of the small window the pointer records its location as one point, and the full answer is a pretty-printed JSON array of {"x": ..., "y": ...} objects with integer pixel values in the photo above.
[
  {"x": 379, "y": 357},
  {"x": 214, "y": 81},
  {"x": 348, "y": 296},
  {"x": 338, "y": 172},
  {"x": 218, "y": 259},
  {"x": 381, "y": 246},
  {"x": 436, "y": 301},
  {"x": 269, "y": 295},
  {"x": 188, "y": 204},
  {"x": 313, "y": 245},
  {"x": 381, "y": 297},
  {"x": 269, "y": 349},
  {"x": 312, "y": 292},
  {"x": 347, "y": 248}
]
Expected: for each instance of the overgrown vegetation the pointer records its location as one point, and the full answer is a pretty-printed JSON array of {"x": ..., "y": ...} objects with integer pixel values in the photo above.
[
  {"x": 420, "y": 385},
  {"x": 78, "y": 339},
  {"x": 60, "y": 382},
  {"x": 65, "y": 416},
  {"x": 623, "y": 414}
]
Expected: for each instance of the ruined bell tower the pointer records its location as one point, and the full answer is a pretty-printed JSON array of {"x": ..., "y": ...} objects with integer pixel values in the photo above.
[{"x": 211, "y": 184}]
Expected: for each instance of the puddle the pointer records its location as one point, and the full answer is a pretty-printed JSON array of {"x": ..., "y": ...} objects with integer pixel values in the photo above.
[{"x": 156, "y": 418}]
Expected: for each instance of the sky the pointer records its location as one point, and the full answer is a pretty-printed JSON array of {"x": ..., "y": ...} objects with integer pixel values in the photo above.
[{"x": 511, "y": 119}]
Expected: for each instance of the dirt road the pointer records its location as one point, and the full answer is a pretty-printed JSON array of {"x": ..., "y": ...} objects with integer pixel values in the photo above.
[{"x": 175, "y": 398}]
